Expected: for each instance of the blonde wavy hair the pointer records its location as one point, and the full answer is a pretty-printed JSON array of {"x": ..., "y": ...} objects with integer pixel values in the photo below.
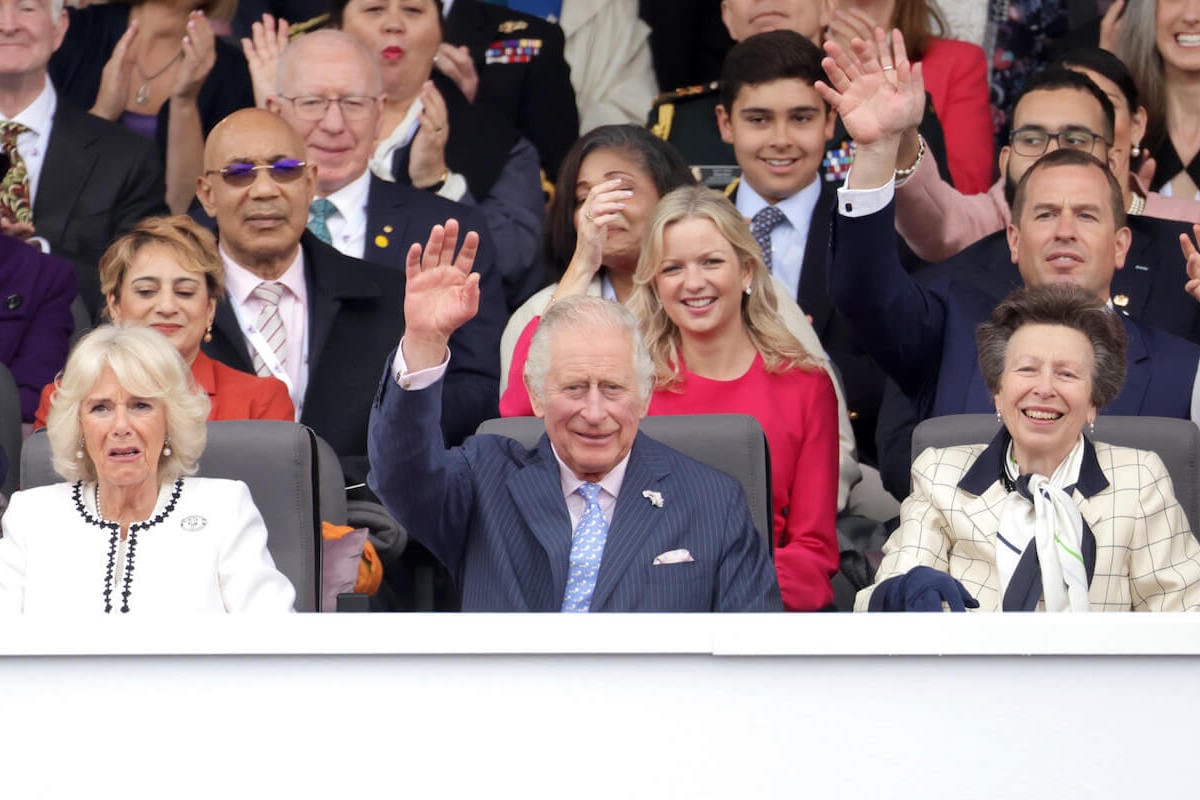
[
  {"x": 146, "y": 365},
  {"x": 780, "y": 350}
]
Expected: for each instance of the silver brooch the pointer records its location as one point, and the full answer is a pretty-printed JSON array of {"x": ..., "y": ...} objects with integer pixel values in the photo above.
[
  {"x": 655, "y": 498},
  {"x": 193, "y": 522}
]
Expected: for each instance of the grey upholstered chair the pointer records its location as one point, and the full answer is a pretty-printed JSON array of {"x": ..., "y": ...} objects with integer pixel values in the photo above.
[
  {"x": 1176, "y": 441},
  {"x": 732, "y": 443}
]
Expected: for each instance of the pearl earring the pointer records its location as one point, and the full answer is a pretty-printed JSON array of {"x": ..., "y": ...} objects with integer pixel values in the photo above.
[
  {"x": 79, "y": 452},
  {"x": 167, "y": 447},
  {"x": 999, "y": 418},
  {"x": 208, "y": 335},
  {"x": 1136, "y": 150},
  {"x": 749, "y": 289},
  {"x": 1092, "y": 428}
]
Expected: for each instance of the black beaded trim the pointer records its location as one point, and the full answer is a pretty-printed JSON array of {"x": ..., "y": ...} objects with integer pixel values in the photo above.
[{"x": 114, "y": 538}]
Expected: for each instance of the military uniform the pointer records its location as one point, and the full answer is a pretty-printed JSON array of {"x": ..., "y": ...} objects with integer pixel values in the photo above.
[
  {"x": 687, "y": 118},
  {"x": 523, "y": 74}
]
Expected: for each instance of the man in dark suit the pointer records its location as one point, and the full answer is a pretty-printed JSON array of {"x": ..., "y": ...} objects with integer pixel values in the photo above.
[
  {"x": 91, "y": 180},
  {"x": 338, "y": 315},
  {"x": 1068, "y": 226},
  {"x": 530, "y": 87},
  {"x": 597, "y": 517},
  {"x": 375, "y": 220}
]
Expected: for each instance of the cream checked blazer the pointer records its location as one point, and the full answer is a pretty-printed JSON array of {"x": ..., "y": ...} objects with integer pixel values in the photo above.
[{"x": 1146, "y": 556}]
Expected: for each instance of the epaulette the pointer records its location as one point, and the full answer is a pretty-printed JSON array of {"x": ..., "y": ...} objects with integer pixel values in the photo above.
[
  {"x": 687, "y": 91},
  {"x": 301, "y": 28}
]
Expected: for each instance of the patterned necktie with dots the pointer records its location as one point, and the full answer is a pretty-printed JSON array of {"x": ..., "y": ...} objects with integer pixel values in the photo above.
[
  {"x": 587, "y": 546},
  {"x": 270, "y": 324},
  {"x": 761, "y": 226},
  {"x": 14, "y": 189},
  {"x": 318, "y": 215}
]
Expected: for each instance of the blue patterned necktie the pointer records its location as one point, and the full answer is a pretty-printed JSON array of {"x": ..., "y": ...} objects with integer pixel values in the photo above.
[
  {"x": 318, "y": 214},
  {"x": 761, "y": 226},
  {"x": 587, "y": 546}
]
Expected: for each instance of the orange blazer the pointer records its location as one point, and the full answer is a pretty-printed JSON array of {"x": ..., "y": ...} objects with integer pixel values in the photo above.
[{"x": 234, "y": 394}]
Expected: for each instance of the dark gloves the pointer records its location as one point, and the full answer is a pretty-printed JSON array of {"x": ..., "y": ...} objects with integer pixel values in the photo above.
[{"x": 923, "y": 589}]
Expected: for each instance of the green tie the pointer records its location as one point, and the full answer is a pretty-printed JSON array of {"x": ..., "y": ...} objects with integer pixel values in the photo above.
[{"x": 318, "y": 214}]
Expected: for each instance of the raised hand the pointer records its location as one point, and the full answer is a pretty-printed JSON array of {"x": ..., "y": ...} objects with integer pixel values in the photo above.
[
  {"x": 1110, "y": 26},
  {"x": 1192, "y": 256},
  {"x": 116, "y": 77},
  {"x": 427, "y": 157},
  {"x": 875, "y": 90},
  {"x": 602, "y": 207},
  {"x": 199, "y": 56},
  {"x": 268, "y": 39},
  {"x": 457, "y": 65},
  {"x": 441, "y": 295}
]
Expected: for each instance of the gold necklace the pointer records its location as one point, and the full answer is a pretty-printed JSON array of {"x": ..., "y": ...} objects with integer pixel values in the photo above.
[{"x": 143, "y": 92}]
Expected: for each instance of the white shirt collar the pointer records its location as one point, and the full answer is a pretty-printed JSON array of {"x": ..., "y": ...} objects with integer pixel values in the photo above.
[
  {"x": 240, "y": 282},
  {"x": 610, "y": 483},
  {"x": 38, "y": 115}
]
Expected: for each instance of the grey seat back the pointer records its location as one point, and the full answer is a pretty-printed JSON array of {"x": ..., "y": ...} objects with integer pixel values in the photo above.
[
  {"x": 1176, "y": 441},
  {"x": 10, "y": 428},
  {"x": 277, "y": 461},
  {"x": 732, "y": 443}
]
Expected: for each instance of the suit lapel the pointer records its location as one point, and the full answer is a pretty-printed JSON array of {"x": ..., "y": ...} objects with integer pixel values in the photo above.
[
  {"x": 70, "y": 155},
  {"x": 634, "y": 518},
  {"x": 536, "y": 490},
  {"x": 387, "y": 226},
  {"x": 234, "y": 354},
  {"x": 1131, "y": 283},
  {"x": 1137, "y": 376},
  {"x": 813, "y": 296}
]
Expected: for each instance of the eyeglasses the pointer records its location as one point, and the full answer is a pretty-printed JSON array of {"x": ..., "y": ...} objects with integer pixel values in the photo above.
[
  {"x": 1034, "y": 141},
  {"x": 240, "y": 174},
  {"x": 314, "y": 107}
]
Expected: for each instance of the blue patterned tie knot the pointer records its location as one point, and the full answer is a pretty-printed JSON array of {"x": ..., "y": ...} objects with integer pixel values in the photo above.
[
  {"x": 319, "y": 213},
  {"x": 587, "y": 547},
  {"x": 761, "y": 226}
]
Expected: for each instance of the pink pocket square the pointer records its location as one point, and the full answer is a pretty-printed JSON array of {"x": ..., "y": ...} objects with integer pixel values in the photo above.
[{"x": 681, "y": 556}]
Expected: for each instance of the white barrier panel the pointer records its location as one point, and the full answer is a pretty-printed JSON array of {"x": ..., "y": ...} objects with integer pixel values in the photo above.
[{"x": 652, "y": 706}]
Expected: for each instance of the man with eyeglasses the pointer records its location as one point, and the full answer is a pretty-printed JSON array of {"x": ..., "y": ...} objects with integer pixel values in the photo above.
[
  {"x": 77, "y": 181},
  {"x": 330, "y": 92},
  {"x": 1069, "y": 226},
  {"x": 320, "y": 321}
]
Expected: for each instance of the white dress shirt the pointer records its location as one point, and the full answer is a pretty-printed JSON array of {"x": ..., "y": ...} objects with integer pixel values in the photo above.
[
  {"x": 790, "y": 237},
  {"x": 293, "y": 310},
  {"x": 348, "y": 224}
]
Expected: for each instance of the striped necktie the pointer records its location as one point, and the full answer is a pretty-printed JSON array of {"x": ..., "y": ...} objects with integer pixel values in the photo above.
[
  {"x": 761, "y": 226},
  {"x": 270, "y": 324},
  {"x": 319, "y": 213},
  {"x": 587, "y": 547},
  {"x": 14, "y": 189}
]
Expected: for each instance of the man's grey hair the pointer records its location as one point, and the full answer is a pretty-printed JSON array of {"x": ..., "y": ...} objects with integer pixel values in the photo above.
[
  {"x": 580, "y": 312},
  {"x": 296, "y": 50}
]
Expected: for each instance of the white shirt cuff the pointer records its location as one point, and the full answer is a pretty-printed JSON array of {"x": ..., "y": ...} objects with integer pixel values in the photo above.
[
  {"x": 863, "y": 202},
  {"x": 422, "y": 378},
  {"x": 454, "y": 188}
]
